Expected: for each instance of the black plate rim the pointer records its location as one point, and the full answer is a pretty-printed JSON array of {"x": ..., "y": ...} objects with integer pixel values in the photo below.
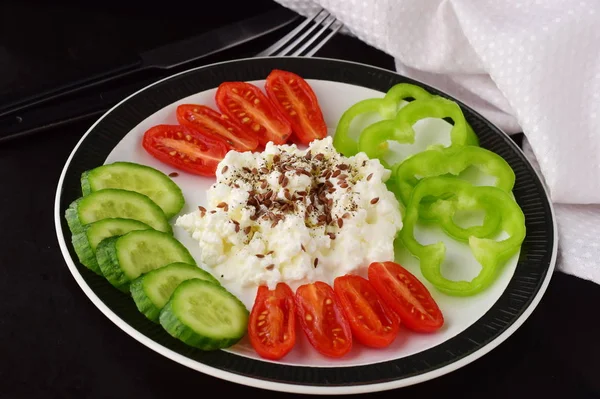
[{"x": 265, "y": 382}]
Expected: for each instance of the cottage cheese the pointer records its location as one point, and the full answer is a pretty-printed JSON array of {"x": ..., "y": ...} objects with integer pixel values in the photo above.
[{"x": 292, "y": 215}]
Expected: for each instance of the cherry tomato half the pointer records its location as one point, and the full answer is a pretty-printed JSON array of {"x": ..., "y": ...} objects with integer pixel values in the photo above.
[
  {"x": 249, "y": 107},
  {"x": 322, "y": 319},
  {"x": 185, "y": 148},
  {"x": 407, "y": 296},
  {"x": 372, "y": 322},
  {"x": 205, "y": 119},
  {"x": 296, "y": 100},
  {"x": 272, "y": 324}
]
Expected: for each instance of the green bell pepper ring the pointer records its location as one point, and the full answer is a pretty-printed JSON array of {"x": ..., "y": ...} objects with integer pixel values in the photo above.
[
  {"x": 489, "y": 253},
  {"x": 386, "y": 107},
  {"x": 373, "y": 139},
  {"x": 442, "y": 211},
  {"x": 449, "y": 161}
]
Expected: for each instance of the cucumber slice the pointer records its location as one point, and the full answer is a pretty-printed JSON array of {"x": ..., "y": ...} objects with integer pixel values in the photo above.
[
  {"x": 151, "y": 291},
  {"x": 85, "y": 243},
  {"x": 204, "y": 315},
  {"x": 122, "y": 259},
  {"x": 135, "y": 177},
  {"x": 115, "y": 203}
]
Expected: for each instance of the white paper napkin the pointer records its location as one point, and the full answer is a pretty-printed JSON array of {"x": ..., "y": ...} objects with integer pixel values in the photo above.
[{"x": 526, "y": 65}]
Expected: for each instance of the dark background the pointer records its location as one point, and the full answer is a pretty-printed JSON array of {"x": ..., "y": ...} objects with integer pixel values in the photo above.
[{"x": 54, "y": 343}]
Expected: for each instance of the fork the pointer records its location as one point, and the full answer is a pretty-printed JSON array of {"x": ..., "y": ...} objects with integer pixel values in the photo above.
[{"x": 297, "y": 46}]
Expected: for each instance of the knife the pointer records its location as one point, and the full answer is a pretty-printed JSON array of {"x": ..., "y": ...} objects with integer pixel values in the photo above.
[{"x": 165, "y": 57}]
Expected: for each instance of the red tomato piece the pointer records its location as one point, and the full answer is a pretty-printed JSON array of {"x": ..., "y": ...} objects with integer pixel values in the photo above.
[
  {"x": 407, "y": 296},
  {"x": 185, "y": 148},
  {"x": 249, "y": 107},
  {"x": 272, "y": 324},
  {"x": 296, "y": 100},
  {"x": 372, "y": 322},
  {"x": 205, "y": 119},
  {"x": 322, "y": 319}
]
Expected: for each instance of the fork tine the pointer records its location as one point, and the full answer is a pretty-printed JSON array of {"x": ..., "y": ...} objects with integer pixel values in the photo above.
[
  {"x": 314, "y": 38},
  {"x": 283, "y": 41},
  {"x": 325, "y": 40},
  {"x": 299, "y": 40}
]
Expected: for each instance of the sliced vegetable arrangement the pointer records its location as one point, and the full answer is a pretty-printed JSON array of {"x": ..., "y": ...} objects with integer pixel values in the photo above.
[
  {"x": 428, "y": 184},
  {"x": 120, "y": 232},
  {"x": 246, "y": 120},
  {"x": 121, "y": 226},
  {"x": 369, "y": 311}
]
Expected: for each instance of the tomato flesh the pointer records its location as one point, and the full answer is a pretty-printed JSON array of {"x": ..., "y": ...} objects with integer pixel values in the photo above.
[
  {"x": 322, "y": 319},
  {"x": 205, "y": 119},
  {"x": 185, "y": 148},
  {"x": 372, "y": 322},
  {"x": 272, "y": 324},
  {"x": 250, "y": 108},
  {"x": 295, "y": 99},
  {"x": 407, "y": 296}
]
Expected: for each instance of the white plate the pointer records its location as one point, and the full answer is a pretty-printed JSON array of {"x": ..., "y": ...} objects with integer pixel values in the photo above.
[{"x": 335, "y": 97}]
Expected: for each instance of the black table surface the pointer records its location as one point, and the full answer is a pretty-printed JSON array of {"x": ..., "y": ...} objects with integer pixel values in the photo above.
[{"x": 54, "y": 343}]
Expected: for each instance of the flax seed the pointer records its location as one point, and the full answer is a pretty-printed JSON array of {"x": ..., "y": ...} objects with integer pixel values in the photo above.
[
  {"x": 375, "y": 200},
  {"x": 369, "y": 177},
  {"x": 224, "y": 169},
  {"x": 340, "y": 222},
  {"x": 270, "y": 267}
]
